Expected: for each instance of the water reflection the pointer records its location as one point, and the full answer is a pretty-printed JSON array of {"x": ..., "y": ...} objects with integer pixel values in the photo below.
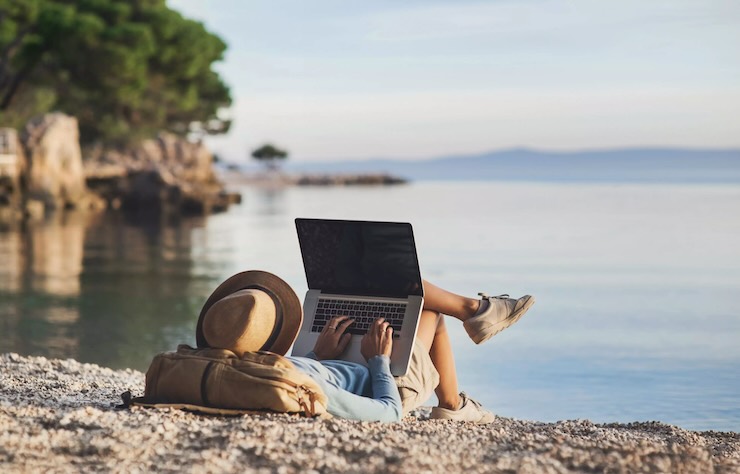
[
  {"x": 11, "y": 250},
  {"x": 102, "y": 288},
  {"x": 270, "y": 199},
  {"x": 55, "y": 255}
]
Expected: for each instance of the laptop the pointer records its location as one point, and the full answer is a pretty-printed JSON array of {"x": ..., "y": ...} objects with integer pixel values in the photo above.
[{"x": 364, "y": 270}]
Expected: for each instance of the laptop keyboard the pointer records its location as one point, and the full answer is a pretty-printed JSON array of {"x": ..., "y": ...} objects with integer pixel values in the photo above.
[{"x": 363, "y": 312}]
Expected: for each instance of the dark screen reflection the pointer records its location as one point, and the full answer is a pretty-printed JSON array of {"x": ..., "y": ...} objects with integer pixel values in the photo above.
[{"x": 360, "y": 258}]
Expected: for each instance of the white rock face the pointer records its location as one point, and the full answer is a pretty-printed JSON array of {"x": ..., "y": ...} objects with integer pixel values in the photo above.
[
  {"x": 186, "y": 161},
  {"x": 56, "y": 175},
  {"x": 11, "y": 155},
  {"x": 166, "y": 173},
  {"x": 183, "y": 160},
  {"x": 12, "y": 169}
]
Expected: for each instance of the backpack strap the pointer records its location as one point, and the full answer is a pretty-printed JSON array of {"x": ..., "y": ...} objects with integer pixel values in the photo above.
[{"x": 204, "y": 383}]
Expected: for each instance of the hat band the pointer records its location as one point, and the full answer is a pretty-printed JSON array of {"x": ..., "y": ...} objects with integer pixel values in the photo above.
[{"x": 278, "y": 316}]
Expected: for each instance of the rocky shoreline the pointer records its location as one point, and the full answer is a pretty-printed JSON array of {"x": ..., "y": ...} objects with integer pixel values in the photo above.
[
  {"x": 279, "y": 179},
  {"x": 60, "y": 416},
  {"x": 43, "y": 169}
]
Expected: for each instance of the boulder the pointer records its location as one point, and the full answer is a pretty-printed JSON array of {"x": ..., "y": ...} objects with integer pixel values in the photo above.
[
  {"x": 167, "y": 174},
  {"x": 188, "y": 161},
  {"x": 55, "y": 175},
  {"x": 12, "y": 171}
]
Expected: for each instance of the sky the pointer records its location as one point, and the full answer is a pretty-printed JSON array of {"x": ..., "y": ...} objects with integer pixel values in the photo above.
[{"x": 353, "y": 79}]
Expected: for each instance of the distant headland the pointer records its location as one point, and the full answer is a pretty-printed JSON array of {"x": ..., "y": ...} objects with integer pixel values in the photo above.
[{"x": 638, "y": 164}]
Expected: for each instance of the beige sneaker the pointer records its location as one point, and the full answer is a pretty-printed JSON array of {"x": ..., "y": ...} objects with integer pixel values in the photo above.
[
  {"x": 469, "y": 410},
  {"x": 501, "y": 313}
]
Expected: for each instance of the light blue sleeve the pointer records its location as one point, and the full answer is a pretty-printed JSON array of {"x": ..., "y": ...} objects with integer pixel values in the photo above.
[{"x": 385, "y": 405}]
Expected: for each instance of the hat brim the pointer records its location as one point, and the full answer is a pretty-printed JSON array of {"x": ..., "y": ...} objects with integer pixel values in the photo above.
[{"x": 282, "y": 294}]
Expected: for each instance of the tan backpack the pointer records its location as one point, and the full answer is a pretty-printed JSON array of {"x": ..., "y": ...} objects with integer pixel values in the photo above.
[{"x": 216, "y": 381}]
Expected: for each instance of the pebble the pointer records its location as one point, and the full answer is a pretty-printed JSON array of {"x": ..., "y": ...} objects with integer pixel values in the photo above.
[{"x": 58, "y": 415}]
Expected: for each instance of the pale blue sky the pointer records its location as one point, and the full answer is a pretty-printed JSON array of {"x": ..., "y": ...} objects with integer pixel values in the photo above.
[{"x": 348, "y": 79}]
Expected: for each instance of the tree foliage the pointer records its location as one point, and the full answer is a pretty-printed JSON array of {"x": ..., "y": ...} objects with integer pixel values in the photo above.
[
  {"x": 125, "y": 68},
  {"x": 269, "y": 154}
]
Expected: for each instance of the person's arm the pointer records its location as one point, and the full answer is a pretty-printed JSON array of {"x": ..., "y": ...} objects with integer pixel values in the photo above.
[
  {"x": 377, "y": 344},
  {"x": 384, "y": 385},
  {"x": 385, "y": 405}
]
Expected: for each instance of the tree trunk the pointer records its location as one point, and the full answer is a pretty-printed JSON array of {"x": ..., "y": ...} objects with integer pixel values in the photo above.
[
  {"x": 13, "y": 87},
  {"x": 9, "y": 83}
]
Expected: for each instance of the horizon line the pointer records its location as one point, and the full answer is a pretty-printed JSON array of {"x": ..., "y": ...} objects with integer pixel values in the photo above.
[{"x": 514, "y": 149}]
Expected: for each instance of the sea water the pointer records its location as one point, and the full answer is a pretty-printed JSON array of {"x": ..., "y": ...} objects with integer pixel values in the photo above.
[{"x": 637, "y": 286}]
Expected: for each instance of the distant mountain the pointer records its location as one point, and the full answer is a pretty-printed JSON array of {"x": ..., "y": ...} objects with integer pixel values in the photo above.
[{"x": 618, "y": 165}]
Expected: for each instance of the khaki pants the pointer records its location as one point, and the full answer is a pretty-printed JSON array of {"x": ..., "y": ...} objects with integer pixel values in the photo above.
[{"x": 420, "y": 380}]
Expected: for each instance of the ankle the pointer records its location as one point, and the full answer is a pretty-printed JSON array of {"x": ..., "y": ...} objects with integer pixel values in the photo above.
[
  {"x": 451, "y": 403},
  {"x": 471, "y": 307}
]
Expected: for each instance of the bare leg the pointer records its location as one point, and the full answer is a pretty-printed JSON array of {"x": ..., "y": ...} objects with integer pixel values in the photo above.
[
  {"x": 442, "y": 301},
  {"x": 447, "y": 391},
  {"x": 427, "y": 330},
  {"x": 432, "y": 333}
]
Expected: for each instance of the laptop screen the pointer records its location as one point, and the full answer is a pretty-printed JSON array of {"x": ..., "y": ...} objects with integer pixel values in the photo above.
[{"x": 360, "y": 258}]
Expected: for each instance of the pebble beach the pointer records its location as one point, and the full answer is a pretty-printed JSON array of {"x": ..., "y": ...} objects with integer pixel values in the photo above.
[{"x": 61, "y": 416}]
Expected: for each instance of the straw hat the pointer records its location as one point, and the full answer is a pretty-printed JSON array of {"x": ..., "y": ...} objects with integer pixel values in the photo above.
[{"x": 251, "y": 311}]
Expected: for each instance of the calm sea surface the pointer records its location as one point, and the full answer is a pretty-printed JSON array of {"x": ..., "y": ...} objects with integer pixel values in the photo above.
[{"x": 637, "y": 286}]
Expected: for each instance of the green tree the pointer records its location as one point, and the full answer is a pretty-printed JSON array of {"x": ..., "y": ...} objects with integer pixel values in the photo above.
[
  {"x": 125, "y": 68},
  {"x": 269, "y": 155}
]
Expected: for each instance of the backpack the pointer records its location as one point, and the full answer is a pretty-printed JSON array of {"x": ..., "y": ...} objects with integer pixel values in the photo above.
[{"x": 216, "y": 381}]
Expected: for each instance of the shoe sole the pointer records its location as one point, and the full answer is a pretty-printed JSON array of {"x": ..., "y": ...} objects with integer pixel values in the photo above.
[
  {"x": 498, "y": 327},
  {"x": 442, "y": 414},
  {"x": 481, "y": 421}
]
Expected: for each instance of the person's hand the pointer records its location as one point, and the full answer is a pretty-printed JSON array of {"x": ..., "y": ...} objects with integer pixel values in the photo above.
[
  {"x": 333, "y": 341},
  {"x": 378, "y": 340}
]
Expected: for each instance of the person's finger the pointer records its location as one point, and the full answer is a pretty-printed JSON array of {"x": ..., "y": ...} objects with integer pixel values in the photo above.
[
  {"x": 343, "y": 342},
  {"x": 333, "y": 323},
  {"x": 383, "y": 327},
  {"x": 337, "y": 319},
  {"x": 344, "y": 325},
  {"x": 388, "y": 342},
  {"x": 371, "y": 329},
  {"x": 376, "y": 325},
  {"x": 380, "y": 330}
]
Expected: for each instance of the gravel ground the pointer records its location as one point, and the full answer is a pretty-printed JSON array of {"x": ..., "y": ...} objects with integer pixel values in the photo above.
[{"x": 59, "y": 415}]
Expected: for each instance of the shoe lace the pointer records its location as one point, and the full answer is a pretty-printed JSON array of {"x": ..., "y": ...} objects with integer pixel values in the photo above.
[
  {"x": 486, "y": 297},
  {"x": 465, "y": 397}
]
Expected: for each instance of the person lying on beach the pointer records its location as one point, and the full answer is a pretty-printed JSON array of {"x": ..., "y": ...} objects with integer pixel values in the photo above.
[{"x": 243, "y": 303}]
